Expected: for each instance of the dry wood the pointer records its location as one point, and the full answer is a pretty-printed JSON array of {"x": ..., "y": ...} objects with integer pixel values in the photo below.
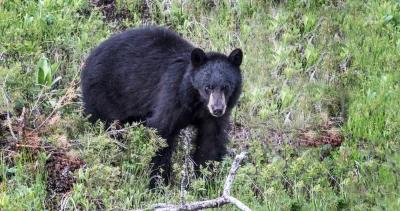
[
  {"x": 7, "y": 102},
  {"x": 213, "y": 203},
  {"x": 66, "y": 99}
]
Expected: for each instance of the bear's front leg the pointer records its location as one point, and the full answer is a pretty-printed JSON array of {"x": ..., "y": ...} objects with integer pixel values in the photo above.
[
  {"x": 161, "y": 162},
  {"x": 164, "y": 121},
  {"x": 211, "y": 141},
  {"x": 161, "y": 165}
]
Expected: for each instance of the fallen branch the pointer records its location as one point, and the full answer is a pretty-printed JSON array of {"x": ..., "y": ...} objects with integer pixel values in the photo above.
[
  {"x": 185, "y": 174},
  {"x": 63, "y": 101},
  {"x": 22, "y": 125},
  {"x": 232, "y": 173},
  {"x": 7, "y": 102},
  {"x": 213, "y": 203},
  {"x": 29, "y": 146},
  {"x": 10, "y": 126}
]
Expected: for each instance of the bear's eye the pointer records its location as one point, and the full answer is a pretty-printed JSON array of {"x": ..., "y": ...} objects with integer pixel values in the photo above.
[
  {"x": 225, "y": 87},
  {"x": 208, "y": 88}
]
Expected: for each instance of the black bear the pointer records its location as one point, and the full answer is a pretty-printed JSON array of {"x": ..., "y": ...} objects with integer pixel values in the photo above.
[{"x": 152, "y": 75}]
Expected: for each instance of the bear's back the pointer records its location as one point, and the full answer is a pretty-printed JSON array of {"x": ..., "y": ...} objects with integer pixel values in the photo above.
[
  {"x": 160, "y": 38},
  {"x": 121, "y": 76},
  {"x": 144, "y": 51},
  {"x": 143, "y": 42}
]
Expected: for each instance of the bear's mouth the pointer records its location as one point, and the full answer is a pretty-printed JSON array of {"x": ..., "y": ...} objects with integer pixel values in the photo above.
[{"x": 216, "y": 104}]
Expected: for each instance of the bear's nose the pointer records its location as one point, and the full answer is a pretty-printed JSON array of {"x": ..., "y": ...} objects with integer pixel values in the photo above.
[{"x": 217, "y": 111}]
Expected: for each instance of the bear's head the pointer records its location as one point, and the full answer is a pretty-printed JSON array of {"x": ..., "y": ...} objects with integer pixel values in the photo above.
[{"x": 217, "y": 78}]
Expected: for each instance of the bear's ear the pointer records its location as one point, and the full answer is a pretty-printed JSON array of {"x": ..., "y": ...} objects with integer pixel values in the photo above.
[
  {"x": 198, "y": 57},
  {"x": 236, "y": 57}
]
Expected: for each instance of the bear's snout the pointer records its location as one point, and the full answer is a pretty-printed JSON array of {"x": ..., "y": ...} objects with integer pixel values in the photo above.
[{"x": 216, "y": 103}]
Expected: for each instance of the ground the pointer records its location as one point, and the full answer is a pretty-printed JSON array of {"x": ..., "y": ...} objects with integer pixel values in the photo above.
[{"x": 318, "y": 113}]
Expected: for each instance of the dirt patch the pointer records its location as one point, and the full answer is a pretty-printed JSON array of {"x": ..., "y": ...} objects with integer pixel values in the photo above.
[
  {"x": 60, "y": 164},
  {"x": 110, "y": 10},
  {"x": 239, "y": 131},
  {"x": 60, "y": 167},
  {"x": 329, "y": 133},
  {"x": 313, "y": 139},
  {"x": 107, "y": 7}
]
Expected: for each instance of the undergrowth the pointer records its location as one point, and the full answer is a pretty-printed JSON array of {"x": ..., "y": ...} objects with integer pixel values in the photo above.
[{"x": 319, "y": 108}]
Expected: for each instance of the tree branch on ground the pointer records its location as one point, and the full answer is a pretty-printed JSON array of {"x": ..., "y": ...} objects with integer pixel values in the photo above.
[
  {"x": 226, "y": 198},
  {"x": 66, "y": 99},
  {"x": 186, "y": 136},
  {"x": 7, "y": 102}
]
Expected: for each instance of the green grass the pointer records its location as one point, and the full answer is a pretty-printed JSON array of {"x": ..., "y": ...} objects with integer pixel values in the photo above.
[{"x": 306, "y": 63}]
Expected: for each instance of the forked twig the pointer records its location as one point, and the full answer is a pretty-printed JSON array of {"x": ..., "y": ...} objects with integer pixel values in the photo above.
[{"x": 226, "y": 198}]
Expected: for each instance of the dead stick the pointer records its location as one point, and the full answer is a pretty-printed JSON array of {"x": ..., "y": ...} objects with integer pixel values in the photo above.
[
  {"x": 232, "y": 173},
  {"x": 7, "y": 101},
  {"x": 32, "y": 146},
  {"x": 218, "y": 202},
  {"x": 185, "y": 173},
  {"x": 10, "y": 126},
  {"x": 60, "y": 103}
]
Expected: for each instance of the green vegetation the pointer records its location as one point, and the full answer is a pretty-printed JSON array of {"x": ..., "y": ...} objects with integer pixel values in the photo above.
[{"x": 317, "y": 73}]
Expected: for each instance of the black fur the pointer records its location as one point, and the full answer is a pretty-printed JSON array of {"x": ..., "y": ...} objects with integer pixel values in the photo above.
[{"x": 153, "y": 75}]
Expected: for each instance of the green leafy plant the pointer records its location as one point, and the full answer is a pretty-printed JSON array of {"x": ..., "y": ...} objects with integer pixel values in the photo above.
[{"x": 45, "y": 72}]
